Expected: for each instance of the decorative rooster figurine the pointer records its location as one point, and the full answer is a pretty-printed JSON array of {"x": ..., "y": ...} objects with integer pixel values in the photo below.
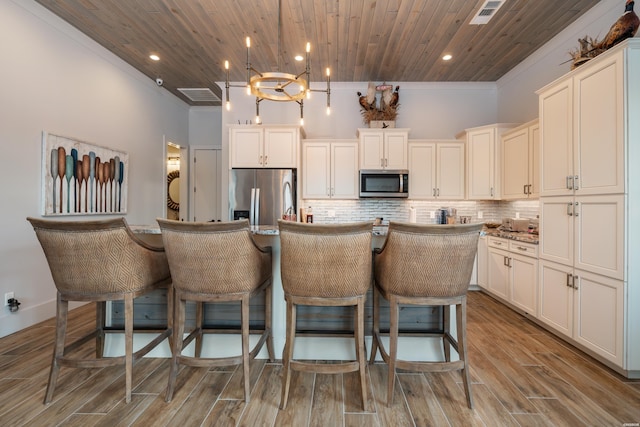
[{"x": 625, "y": 27}]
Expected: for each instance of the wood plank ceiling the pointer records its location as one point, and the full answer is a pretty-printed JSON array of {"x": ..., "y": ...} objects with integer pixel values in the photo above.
[{"x": 360, "y": 40}]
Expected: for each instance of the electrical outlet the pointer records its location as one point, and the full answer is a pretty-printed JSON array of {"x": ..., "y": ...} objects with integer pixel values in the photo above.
[
  {"x": 7, "y": 297},
  {"x": 331, "y": 213},
  {"x": 480, "y": 215},
  {"x": 432, "y": 214},
  {"x": 517, "y": 214}
]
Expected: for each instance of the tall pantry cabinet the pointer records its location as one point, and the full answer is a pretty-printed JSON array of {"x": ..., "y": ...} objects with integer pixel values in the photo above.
[{"x": 589, "y": 271}]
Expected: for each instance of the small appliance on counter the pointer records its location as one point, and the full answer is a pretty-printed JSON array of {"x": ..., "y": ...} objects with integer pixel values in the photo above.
[
  {"x": 515, "y": 224},
  {"x": 446, "y": 215}
]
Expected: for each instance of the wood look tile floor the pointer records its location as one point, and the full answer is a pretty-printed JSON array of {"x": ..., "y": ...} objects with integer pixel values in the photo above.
[{"x": 521, "y": 374}]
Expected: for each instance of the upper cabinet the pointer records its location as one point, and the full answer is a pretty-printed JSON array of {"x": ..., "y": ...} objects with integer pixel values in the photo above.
[
  {"x": 521, "y": 162},
  {"x": 383, "y": 148},
  {"x": 483, "y": 161},
  {"x": 330, "y": 169},
  {"x": 436, "y": 170},
  {"x": 582, "y": 122},
  {"x": 264, "y": 146}
]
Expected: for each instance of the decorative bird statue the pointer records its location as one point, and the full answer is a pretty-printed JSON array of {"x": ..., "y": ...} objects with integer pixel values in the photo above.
[
  {"x": 371, "y": 95},
  {"x": 626, "y": 26},
  {"x": 363, "y": 102},
  {"x": 395, "y": 97},
  {"x": 385, "y": 100}
]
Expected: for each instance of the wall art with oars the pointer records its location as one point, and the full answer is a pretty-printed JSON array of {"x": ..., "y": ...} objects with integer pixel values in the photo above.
[{"x": 82, "y": 179}]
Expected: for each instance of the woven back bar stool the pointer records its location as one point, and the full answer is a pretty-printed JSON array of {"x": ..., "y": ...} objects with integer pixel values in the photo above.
[
  {"x": 100, "y": 261},
  {"x": 216, "y": 262},
  {"x": 425, "y": 265},
  {"x": 325, "y": 265}
]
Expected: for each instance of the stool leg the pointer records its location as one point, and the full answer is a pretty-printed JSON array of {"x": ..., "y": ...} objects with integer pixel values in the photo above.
[
  {"x": 62, "y": 310},
  {"x": 268, "y": 314},
  {"x": 128, "y": 345},
  {"x": 446, "y": 329},
  {"x": 393, "y": 348},
  {"x": 376, "y": 325},
  {"x": 461, "y": 326},
  {"x": 170, "y": 313},
  {"x": 199, "y": 326},
  {"x": 361, "y": 351},
  {"x": 178, "y": 337},
  {"x": 100, "y": 310},
  {"x": 287, "y": 354},
  {"x": 245, "y": 347}
]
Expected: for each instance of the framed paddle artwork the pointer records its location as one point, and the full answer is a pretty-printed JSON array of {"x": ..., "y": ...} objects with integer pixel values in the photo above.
[{"x": 79, "y": 178}]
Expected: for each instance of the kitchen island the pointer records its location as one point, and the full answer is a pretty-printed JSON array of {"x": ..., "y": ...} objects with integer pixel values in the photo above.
[{"x": 326, "y": 328}]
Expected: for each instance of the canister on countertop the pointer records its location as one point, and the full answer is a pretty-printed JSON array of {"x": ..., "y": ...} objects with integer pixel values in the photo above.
[{"x": 309, "y": 215}]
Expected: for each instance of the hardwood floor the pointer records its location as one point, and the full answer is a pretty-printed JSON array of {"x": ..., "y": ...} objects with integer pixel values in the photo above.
[{"x": 521, "y": 374}]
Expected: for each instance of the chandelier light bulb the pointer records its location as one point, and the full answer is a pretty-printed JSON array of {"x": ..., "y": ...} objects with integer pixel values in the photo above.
[
  {"x": 228, "y": 106},
  {"x": 308, "y": 47},
  {"x": 328, "y": 111},
  {"x": 248, "y": 42},
  {"x": 226, "y": 65}
]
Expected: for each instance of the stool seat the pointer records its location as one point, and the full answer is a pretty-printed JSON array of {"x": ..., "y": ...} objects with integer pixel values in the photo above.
[
  {"x": 325, "y": 265},
  {"x": 216, "y": 262},
  {"x": 425, "y": 265},
  {"x": 100, "y": 261}
]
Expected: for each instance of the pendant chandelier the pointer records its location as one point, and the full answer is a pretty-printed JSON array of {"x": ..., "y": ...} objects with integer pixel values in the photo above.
[{"x": 278, "y": 86}]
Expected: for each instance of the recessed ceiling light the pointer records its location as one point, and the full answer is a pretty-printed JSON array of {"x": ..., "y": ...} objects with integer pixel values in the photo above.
[
  {"x": 447, "y": 57},
  {"x": 154, "y": 57},
  {"x": 299, "y": 58}
]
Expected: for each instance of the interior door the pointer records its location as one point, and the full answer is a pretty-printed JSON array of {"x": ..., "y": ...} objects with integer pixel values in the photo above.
[{"x": 206, "y": 170}]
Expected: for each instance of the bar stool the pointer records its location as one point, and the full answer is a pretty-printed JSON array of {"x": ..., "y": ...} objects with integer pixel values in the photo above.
[
  {"x": 216, "y": 262},
  {"x": 425, "y": 265},
  {"x": 100, "y": 261},
  {"x": 325, "y": 265}
]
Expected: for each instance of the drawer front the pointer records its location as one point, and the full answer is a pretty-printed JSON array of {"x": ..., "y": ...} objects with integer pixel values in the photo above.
[
  {"x": 497, "y": 242},
  {"x": 523, "y": 248}
]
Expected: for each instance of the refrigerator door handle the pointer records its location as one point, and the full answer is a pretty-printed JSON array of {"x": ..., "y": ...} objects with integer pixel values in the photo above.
[
  {"x": 252, "y": 209},
  {"x": 257, "y": 208}
]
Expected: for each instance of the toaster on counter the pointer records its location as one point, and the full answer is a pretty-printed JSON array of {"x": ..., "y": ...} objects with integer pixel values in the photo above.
[{"x": 515, "y": 224}]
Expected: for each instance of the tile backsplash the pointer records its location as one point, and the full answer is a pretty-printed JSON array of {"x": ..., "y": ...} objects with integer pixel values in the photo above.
[{"x": 398, "y": 210}]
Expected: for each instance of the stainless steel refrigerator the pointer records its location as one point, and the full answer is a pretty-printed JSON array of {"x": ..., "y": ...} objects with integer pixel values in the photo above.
[{"x": 261, "y": 195}]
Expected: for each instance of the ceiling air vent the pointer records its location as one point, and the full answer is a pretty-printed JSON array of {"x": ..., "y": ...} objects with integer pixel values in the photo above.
[
  {"x": 486, "y": 12},
  {"x": 202, "y": 94}
]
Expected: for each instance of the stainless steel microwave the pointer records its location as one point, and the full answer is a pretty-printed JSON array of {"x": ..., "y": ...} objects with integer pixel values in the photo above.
[{"x": 384, "y": 183}]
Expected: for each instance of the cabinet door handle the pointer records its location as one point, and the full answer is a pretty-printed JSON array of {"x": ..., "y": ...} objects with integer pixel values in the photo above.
[
  {"x": 576, "y": 211},
  {"x": 524, "y": 189},
  {"x": 570, "y": 209},
  {"x": 434, "y": 192},
  {"x": 529, "y": 189},
  {"x": 575, "y": 282},
  {"x": 381, "y": 163},
  {"x": 521, "y": 248},
  {"x": 386, "y": 162},
  {"x": 438, "y": 191},
  {"x": 569, "y": 280},
  {"x": 491, "y": 193},
  {"x": 333, "y": 191},
  {"x": 569, "y": 184},
  {"x": 259, "y": 160},
  {"x": 575, "y": 182},
  {"x": 265, "y": 160}
]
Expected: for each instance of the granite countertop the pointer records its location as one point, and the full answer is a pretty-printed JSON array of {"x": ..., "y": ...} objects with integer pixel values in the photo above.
[{"x": 521, "y": 236}]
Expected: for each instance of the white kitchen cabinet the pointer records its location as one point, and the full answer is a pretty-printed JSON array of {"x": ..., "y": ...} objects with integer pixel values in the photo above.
[
  {"x": 383, "y": 148},
  {"x": 585, "y": 307},
  {"x": 512, "y": 273},
  {"x": 483, "y": 161},
  {"x": 330, "y": 169},
  {"x": 582, "y": 142},
  {"x": 589, "y": 201},
  {"x": 436, "y": 170},
  {"x": 498, "y": 271},
  {"x": 521, "y": 162},
  {"x": 264, "y": 146}
]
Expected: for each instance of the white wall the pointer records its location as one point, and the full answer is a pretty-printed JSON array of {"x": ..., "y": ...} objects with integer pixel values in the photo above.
[
  {"x": 517, "y": 101},
  {"x": 57, "y": 80}
]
